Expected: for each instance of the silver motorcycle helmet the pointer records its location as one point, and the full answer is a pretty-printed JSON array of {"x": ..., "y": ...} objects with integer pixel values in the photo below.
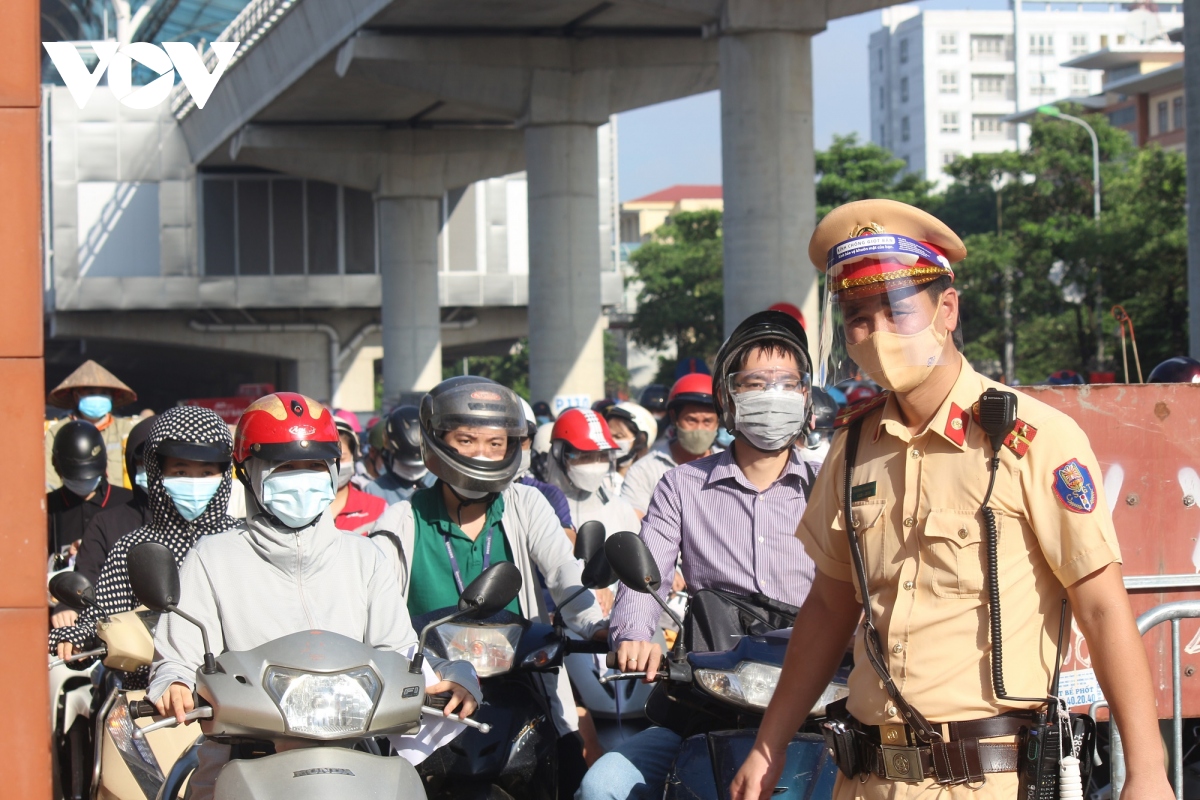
[{"x": 470, "y": 401}]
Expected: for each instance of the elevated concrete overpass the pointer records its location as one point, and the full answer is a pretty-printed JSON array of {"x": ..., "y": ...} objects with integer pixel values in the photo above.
[{"x": 410, "y": 97}]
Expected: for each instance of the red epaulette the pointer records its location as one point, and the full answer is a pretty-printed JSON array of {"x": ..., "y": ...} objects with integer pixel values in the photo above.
[
  {"x": 1018, "y": 439},
  {"x": 858, "y": 410}
]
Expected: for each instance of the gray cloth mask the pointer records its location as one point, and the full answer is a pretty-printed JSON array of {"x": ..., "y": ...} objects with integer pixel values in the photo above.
[
  {"x": 697, "y": 442},
  {"x": 770, "y": 421}
]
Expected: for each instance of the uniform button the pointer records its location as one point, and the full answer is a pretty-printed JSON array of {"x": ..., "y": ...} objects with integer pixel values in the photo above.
[
  {"x": 855, "y": 520},
  {"x": 891, "y": 711},
  {"x": 963, "y": 532},
  {"x": 908, "y": 585},
  {"x": 916, "y": 453},
  {"x": 897, "y": 647},
  {"x": 909, "y": 522}
]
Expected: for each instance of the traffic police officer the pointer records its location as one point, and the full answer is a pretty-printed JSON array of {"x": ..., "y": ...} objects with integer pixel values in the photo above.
[{"x": 920, "y": 478}]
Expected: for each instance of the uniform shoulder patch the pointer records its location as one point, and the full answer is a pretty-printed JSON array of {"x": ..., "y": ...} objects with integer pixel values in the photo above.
[
  {"x": 1074, "y": 487},
  {"x": 1018, "y": 439},
  {"x": 956, "y": 425},
  {"x": 859, "y": 410}
]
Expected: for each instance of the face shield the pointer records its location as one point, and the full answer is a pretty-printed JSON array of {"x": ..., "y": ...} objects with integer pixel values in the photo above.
[{"x": 880, "y": 320}]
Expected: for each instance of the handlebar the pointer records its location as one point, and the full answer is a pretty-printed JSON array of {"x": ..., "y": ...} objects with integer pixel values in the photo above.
[
  {"x": 482, "y": 727},
  {"x": 86, "y": 654},
  {"x": 571, "y": 646},
  {"x": 204, "y": 712}
]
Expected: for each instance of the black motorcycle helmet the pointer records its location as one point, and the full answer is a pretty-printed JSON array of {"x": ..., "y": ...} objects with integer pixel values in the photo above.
[
  {"x": 654, "y": 399},
  {"x": 1179, "y": 369},
  {"x": 79, "y": 452},
  {"x": 404, "y": 435},
  {"x": 766, "y": 328},
  {"x": 135, "y": 448},
  {"x": 471, "y": 401},
  {"x": 824, "y": 409}
]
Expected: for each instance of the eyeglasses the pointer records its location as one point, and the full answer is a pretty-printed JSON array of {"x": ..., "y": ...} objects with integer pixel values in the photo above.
[
  {"x": 587, "y": 456},
  {"x": 768, "y": 379}
]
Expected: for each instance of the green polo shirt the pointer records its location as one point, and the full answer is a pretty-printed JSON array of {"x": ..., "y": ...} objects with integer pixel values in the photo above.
[{"x": 431, "y": 582}]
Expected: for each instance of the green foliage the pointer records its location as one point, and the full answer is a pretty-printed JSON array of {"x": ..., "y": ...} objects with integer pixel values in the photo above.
[
  {"x": 616, "y": 375},
  {"x": 511, "y": 369},
  {"x": 850, "y": 171},
  {"x": 682, "y": 296}
]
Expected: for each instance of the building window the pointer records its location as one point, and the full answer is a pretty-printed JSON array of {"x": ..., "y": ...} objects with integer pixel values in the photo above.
[
  {"x": 948, "y": 83},
  {"x": 904, "y": 90},
  {"x": 1041, "y": 44},
  {"x": 1164, "y": 117},
  {"x": 949, "y": 122},
  {"x": 1122, "y": 116},
  {"x": 904, "y": 51},
  {"x": 1079, "y": 44},
  {"x": 1081, "y": 83},
  {"x": 991, "y": 48},
  {"x": 1177, "y": 113},
  {"x": 880, "y": 51},
  {"x": 1041, "y": 84},
  {"x": 905, "y": 131},
  {"x": 266, "y": 225},
  {"x": 948, "y": 44},
  {"x": 992, "y": 87},
  {"x": 882, "y": 96},
  {"x": 882, "y": 135},
  {"x": 949, "y": 157},
  {"x": 990, "y": 126}
]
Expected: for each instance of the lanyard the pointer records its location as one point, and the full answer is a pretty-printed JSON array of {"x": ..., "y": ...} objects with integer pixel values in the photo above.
[{"x": 487, "y": 555}]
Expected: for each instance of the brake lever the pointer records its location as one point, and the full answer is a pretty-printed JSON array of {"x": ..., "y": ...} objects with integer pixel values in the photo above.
[
  {"x": 482, "y": 727},
  {"x": 204, "y": 712},
  {"x": 629, "y": 676},
  {"x": 57, "y": 662}
]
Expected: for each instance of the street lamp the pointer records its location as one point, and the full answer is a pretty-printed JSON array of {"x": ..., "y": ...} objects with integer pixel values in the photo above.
[{"x": 1055, "y": 111}]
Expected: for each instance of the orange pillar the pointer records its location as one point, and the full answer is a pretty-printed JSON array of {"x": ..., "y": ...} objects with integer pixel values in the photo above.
[{"x": 24, "y": 690}]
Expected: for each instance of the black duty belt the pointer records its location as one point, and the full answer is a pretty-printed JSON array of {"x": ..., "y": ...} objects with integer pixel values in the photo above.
[
  {"x": 963, "y": 761},
  {"x": 1009, "y": 724}
]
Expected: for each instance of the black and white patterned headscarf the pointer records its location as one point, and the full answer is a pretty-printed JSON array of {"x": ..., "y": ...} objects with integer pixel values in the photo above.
[{"x": 113, "y": 591}]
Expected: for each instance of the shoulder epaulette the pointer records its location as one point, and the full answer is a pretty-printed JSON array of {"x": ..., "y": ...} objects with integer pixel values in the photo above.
[
  {"x": 1018, "y": 439},
  {"x": 858, "y": 410}
]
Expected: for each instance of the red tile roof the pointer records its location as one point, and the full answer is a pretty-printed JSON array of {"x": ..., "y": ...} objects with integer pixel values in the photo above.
[{"x": 682, "y": 191}]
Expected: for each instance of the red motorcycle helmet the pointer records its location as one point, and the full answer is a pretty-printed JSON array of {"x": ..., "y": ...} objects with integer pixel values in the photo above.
[
  {"x": 584, "y": 430},
  {"x": 693, "y": 388},
  {"x": 860, "y": 393},
  {"x": 286, "y": 426}
]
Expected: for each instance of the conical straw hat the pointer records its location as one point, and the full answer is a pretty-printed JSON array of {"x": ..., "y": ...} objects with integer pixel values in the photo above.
[{"x": 91, "y": 375}]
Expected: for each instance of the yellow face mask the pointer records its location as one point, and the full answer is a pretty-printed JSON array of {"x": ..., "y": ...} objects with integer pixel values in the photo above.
[{"x": 899, "y": 362}]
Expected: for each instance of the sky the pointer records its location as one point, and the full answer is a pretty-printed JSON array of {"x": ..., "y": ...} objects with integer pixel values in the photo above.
[{"x": 680, "y": 141}]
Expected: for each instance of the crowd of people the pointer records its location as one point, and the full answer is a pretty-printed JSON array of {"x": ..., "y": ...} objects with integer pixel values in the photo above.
[{"x": 734, "y": 480}]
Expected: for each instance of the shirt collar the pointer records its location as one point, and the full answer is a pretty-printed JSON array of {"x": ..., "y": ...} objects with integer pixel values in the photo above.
[
  {"x": 952, "y": 417},
  {"x": 448, "y": 527}
]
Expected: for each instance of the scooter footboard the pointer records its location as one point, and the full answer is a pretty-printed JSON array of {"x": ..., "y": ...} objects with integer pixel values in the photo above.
[
  {"x": 318, "y": 773},
  {"x": 707, "y": 763}
]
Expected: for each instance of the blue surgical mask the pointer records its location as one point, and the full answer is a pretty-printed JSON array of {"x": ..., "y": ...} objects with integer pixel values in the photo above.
[
  {"x": 724, "y": 438},
  {"x": 95, "y": 406},
  {"x": 139, "y": 479},
  {"x": 297, "y": 497},
  {"x": 192, "y": 495}
]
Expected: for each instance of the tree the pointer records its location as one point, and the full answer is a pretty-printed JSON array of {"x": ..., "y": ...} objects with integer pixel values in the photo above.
[
  {"x": 682, "y": 296},
  {"x": 850, "y": 171}
]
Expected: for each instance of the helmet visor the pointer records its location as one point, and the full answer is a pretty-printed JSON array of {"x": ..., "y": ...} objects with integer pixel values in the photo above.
[{"x": 476, "y": 405}]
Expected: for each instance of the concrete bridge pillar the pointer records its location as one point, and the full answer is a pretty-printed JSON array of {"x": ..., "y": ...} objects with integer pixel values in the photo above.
[
  {"x": 566, "y": 346},
  {"x": 412, "y": 343},
  {"x": 767, "y": 151}
]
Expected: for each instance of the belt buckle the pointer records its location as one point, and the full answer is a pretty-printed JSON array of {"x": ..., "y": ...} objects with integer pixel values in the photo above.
[
  {"x": 902, "y": 763},
  {"x": 893, "y": 735}
]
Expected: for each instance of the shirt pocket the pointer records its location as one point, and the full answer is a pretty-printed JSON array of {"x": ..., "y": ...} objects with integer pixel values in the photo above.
[
  {"x": 952, "y": 546},
  {"x": 867, "y": 518}
]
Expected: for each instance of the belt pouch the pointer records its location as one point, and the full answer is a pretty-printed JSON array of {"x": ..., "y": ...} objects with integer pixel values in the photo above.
[{"x": 843, "y": 740}]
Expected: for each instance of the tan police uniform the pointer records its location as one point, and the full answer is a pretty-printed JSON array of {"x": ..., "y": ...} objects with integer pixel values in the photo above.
[
  {"x": 916, "y": 507},
  {"x": 115, "y": 430}
]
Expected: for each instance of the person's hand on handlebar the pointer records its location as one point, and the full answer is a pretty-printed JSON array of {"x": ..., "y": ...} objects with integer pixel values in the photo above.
[
  {"x": 175, "y": 701},
  {"x": 459, "y": 698},
  {"x": 640, "y": 657},
  {"x": 65, "y": 650}
]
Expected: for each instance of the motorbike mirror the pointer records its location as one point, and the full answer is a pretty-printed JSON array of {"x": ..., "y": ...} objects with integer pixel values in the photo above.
[
  {"x": 154, "y": 576},
  {"x": 73, "y": 590},
  {"x": 495, "y": 588},
  {"x": 631, "y": 560},
  {"x": 589, "y": 539}
]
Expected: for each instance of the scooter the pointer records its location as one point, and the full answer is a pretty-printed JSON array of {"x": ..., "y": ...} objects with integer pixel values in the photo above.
[
  {"x": 115, "y": 765},
  {"x": 725, "y": 694},
  {"x": 296, "y": 708},
  {"x": 519, "y": 756}
]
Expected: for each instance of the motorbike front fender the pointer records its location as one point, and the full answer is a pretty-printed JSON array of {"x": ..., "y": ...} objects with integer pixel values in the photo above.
[
  {"x": 318, "y": 773},
  {"x": 707, "y": 764}
]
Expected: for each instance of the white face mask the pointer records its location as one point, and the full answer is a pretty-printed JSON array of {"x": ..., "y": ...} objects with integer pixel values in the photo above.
[
  {"x": 526, "y": 463},
  {"x": 345, "y": 473},
  {"x": 770, "y": 421},
  {"x": 406, "y": 472},
  {"x": 297, "y": 497},
  {"x": 623, "y": 447},
  {"x": 587, "y": 477}
]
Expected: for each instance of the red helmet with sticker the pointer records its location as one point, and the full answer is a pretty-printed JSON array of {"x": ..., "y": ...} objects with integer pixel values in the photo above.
[
  {"x": 286, "y": 426},
  {"x": 695, "y": 388},
  {"x": 583, "y": 429}
]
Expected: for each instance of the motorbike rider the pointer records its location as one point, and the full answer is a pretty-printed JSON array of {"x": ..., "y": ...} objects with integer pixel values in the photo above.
[
  {"x": 405, "y": 472},
  {"x": 690, "y": 435},
  {"x": 287, "y": 557},
  {"x": 731, "y": 516},
  {"x": 554, "y": 495},
  {"x": 353, "y": 510},
  {"x": 91, "y": 393},
  {"x": 187, "y": 480},
  {"x": 444, "y": 536},
  {"x": 824, "y": 413},
  {"x": 79, "y": 458},
  {"x": 633, "y": 429},
  {"x": 654, "y": 400}
]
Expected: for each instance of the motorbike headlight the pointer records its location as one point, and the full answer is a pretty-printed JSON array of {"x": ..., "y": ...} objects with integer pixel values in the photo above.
[
  {"x": 324, "y": 706},
  {"x": 833, "y": 692},
  {"x": 490, "y": 649},
  {"x": 542, "y": 656},
  {"x": 135, "y": 752},
  {"x": 749, "y": 684}
]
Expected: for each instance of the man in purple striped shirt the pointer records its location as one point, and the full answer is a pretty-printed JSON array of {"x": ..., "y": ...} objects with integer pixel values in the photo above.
[{"x": 731, "y": 515}]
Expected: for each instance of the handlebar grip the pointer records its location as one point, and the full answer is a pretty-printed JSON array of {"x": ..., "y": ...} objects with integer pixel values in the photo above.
[
  {"x": 437, "y": 701},
  {"x": 577, "y": 646},
  {"x": 611, "y": 661},
  {"x": 142, "y": 708}
]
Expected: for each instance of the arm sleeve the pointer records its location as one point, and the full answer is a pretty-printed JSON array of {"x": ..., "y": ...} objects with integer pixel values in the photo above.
[
  {"x": 635, "y": 615},
  {"x": 178, "y": 645},
  {"x": 551, "y": 552},
  {"x": 821, "y": 529},
  {"x": 558, "y": 501},
  {"x": 113, "y": 596},
  {"x": 93, "y": 549},
  {"x": 1074, "y": 541},
  {"x": 637, "y": 488},
  {"x": 394, "y": 527}
]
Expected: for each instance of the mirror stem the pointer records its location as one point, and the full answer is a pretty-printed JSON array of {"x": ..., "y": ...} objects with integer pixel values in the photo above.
[
  {"x": 558, "y": 619},
  {"x": 677, "y": 652},
  {"x": 210, "y": 663},
  {"x": 418, "y": 659}
]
